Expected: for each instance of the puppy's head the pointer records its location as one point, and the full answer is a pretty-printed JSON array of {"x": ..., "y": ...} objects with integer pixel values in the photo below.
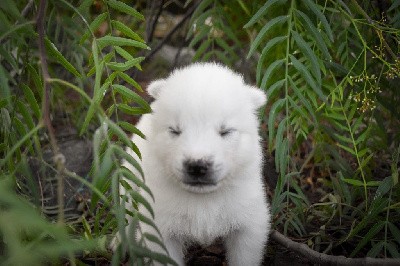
[{"x": 204, "y": 126}]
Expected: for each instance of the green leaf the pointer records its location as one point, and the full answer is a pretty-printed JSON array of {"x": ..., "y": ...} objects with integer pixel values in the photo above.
[
  {"x": 261, "y": 12},
  {"x": 25, "y": 113},
  {"x": 29, "y": 96},
  {"x": 319, "y": 41},
  {"x": 4, "y": 87},
  {"x": 11, "y": 9},
  {"x": 124, "y": 8},
  {"x": 126, "y": 31},
  {"x": 270, "y": 70},
  {"x": 116, "y": 130},
  {"x": 131, "y": 110},
  {"x": 348, "y": 149},
  {"x": 393, "y": 250},
  {"x": 263, "y": 32},
  {"x": 373, "y": 183},
  {"x": 131, "y": 128},
  {"x": 353, "y": 182},
  {"x": 376, "y": 228},
  {"x": 271, "y": 43},
  {"x": 384, "y": 187},
  {"x": 126, "y": 65},
  {"x": 274, "y": 88},
  {"x": 307, "y": 77},
  {"x": 109, "y": 40},
  {"x": 202, "y": 48},
  {"x": 148, "y": 221},
  {"x": 282, "y": 151},
  {"x": 222, "y": 57},
  {"x": 301, "y": 112},
  {"x": 315, "y": 9},
  {"x": 199, "y": 10},
  {"x": 273, "y": 113},
  {"x": 131, "y": 95},
  {"x": 342, "y": 138},
  {"x": 98, "y": 137},
  {"x": 362, "y": 137},
  {"x": 123, "y": 154},
  {"x": 130, "y": 80},
  {"x": 154, "y": 239},
  {"x": 7, "y": 56},
  {"x": 87, "y": 229},
  {"x": 122, "y": 52},
  {"x": 302, "y": 99},
  {"x": 280, "y": 132},
  {"x": 140, "y": 199},
  {"x": 53, "y": 51},
  {"x": 35, "y": 77},
  {"x": 395, "y": 5},
  {"x": 20, "y": 142},
  {"x": 94, "y": 26},
  {"x": 226, "y": 47},
  {"x": 94, "y": 105},
  {"x": 306, "y": 50},
  {"x": 132, "y": 177},
  {"x": 376, "y": 249},
  {"x": 336, "y": 116},
  {"x": 395, "y": 232},
  {"x": 204, "y": 31}
]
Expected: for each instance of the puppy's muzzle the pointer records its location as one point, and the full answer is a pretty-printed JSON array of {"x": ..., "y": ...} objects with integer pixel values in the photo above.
[{"x": 198, "y": 172}]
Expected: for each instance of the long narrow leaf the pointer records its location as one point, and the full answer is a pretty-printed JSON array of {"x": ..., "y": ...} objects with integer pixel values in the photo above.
[{"x": 262, "y": 34}]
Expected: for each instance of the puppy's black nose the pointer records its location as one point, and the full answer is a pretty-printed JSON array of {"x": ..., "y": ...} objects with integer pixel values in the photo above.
[{"x": 197, "y": 168}]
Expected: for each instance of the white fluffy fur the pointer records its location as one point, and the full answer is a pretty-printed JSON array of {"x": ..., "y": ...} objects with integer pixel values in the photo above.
[{"x": 199, "y": 100}]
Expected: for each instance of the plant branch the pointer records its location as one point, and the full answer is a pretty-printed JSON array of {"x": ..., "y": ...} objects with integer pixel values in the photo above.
[
  {"x": 325, "y": 259},
  {"x": 58, "y": 158},
  {"x": 371, "y": 21}
]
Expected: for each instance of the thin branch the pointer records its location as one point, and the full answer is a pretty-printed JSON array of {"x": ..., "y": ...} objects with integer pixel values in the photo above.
[
  {"x": 325, "y": 259},
  {"x": 169, "y": 35},
  {"x": 153, "y": 19},
  {"x": 372, "y": 22},
  {"x": 58, "y": 158}
]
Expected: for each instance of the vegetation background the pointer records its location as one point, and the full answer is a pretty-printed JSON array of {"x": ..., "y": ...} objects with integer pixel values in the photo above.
[{"x": 69, "y": 73}]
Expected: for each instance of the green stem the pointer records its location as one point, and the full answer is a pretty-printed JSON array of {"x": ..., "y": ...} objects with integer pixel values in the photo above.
[
  {"x": 357, "y": 156},
  {"x": 290, "y": 17}
]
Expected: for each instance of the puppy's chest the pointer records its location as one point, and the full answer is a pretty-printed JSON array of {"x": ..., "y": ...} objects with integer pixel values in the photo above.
[{"x": 202, "y": 223}]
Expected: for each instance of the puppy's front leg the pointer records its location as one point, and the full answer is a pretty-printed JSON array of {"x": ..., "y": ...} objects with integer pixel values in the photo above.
[{"x": 246, "y": 245}]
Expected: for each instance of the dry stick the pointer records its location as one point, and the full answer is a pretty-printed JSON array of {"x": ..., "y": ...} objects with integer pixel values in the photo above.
[
  {"x": 58, "y": 158},
  {"x": 325, "y": 259}
]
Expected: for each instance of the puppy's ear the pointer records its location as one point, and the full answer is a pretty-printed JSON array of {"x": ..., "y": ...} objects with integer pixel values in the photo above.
[
  {"x": 155, "y": 87},
  {"x": 257, "y": 97}
]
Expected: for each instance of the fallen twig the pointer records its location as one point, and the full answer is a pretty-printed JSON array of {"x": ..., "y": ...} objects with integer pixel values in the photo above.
[{"x": 325, "y": 259}]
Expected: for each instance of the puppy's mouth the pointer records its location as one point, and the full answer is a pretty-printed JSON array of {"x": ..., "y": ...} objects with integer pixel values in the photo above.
[{"x": 199, "y": 183}]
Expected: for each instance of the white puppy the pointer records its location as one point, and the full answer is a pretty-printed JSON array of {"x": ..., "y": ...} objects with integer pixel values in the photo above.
[{"x": 202, "y": 160}]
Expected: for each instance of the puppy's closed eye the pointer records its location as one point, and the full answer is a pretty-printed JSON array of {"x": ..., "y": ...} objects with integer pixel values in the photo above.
[
  {"x": 175, "y": 131},
  {"x": 225, "y": 132}
]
